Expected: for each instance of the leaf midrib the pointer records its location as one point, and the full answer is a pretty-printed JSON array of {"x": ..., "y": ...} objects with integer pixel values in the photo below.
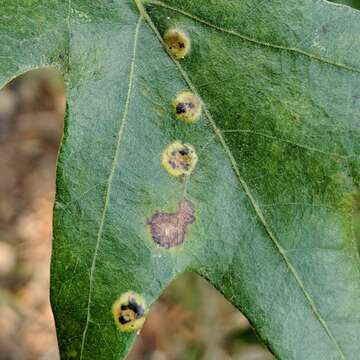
[
  {"x": 243, "y": 183},
  {"x": 253, "y": 40}
]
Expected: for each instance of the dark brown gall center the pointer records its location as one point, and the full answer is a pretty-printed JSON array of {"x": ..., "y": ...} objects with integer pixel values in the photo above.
[
  {"x": 182, "y": 108},
  {"x": 130, "y": 312}
]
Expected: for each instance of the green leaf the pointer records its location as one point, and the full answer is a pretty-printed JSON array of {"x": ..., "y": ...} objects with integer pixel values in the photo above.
[
  {"x": 33, "y": 34},
  {"x": 276, "y": 187},
  {"x": 353, "y": 3}
]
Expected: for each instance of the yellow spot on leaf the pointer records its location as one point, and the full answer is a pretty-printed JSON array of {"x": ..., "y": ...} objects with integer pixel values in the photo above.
[
  {"x": 179, "y": 159},
  {"x": 187, "y": 107},
  {"x": 129, "y": 312},
  {"x": 177, "y": 42}
]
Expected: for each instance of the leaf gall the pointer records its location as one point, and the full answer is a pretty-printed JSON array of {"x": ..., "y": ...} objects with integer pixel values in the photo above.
[
  {"x": 129, "y": 312},
  {"x": 187, "y": 107},
  {"x": 179, "y": 159},
  {"x": 177, "y": 42}
]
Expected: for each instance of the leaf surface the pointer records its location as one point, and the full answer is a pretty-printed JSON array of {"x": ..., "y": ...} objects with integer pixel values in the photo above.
[{"x": 276, "y": 183}]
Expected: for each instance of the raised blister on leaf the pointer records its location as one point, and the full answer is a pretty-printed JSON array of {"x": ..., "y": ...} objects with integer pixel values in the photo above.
[
  {"x": 187, "y": 107},
  {"x": 179, "y": 159},
  {"x": 129, "y": 311},
  {"x": 177, "y": 42}
]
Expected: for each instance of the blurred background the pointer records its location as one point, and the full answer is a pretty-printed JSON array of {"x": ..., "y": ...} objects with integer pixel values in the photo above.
[{"x": 199, "y": 323}]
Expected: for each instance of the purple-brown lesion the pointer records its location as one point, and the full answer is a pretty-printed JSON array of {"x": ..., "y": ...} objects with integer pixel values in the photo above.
[{"x": 169, "y": 229}]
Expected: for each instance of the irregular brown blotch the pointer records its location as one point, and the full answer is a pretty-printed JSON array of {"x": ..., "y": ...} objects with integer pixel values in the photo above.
[{"x": 169, "y": 229}]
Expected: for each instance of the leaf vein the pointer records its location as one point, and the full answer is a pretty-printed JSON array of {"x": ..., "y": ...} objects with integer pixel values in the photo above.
[
  {"x": 109, "y": 184},
  {"x": 255, "y": 41},
  {"x": 290, "y": 142},
  {"x": 246, "y": 189}
]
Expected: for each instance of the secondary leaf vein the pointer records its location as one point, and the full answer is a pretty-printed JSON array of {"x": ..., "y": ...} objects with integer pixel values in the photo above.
[
  {"x": 302, "y": 146},
  {"x": 252, "y": 40},
  {"x": 109, "y": 183}
]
